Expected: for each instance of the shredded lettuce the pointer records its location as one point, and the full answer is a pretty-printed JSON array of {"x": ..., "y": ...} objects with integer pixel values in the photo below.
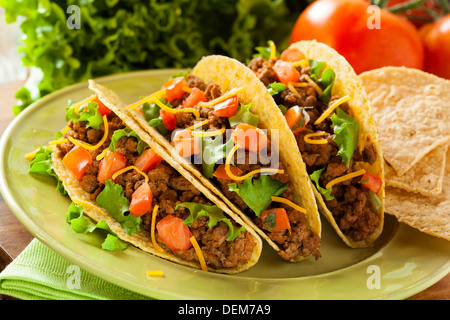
[
  {"x": 215, "y": 215},
  {"x": 244, "y": 115},
  {"x": 127, "y": 132},
  {"x": 82, "y": 224},
  {"x": 214, "y": 151},
  {"x": 257, "y": 193},
  {"x": 324, "y": 78},
  {"x": 91, "y": 115},
  {"x": 325, "y": 192},
  {"x": 275, "y": 88},
  {"x": 112, "y": 199},
  {"x": 346, "y": 130},
  {"x": 42, "y": 164},
  {"x": 153, "y": 116}
]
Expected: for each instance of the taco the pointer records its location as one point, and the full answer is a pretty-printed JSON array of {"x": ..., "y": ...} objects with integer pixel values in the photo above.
[
  {"x": 327, "y": 110},
  {"x": 117, "y": 173},
  {"x": 214, "y": 122}
]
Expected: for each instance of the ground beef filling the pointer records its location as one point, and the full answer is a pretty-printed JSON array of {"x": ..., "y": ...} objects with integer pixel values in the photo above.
[
  {"x": 169, "y": 189},
  {"x": 300, "y": 241},
  {"x": 350, "y": 207}
]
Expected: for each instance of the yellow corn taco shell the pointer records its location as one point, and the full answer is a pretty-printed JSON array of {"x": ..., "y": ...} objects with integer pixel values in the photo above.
[
  {"x": 142, "y": 238},
  {"x": 228, "y": 74},
  {"x": 348, "y": 83}
]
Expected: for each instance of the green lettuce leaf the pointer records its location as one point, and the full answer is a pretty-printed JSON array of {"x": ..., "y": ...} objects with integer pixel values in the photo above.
[
  {"x": 42, "y": 164},
  {"x": 346, "y": 130},
  {"x": 91, "y": 115},
  {"x": 324, "y": 78},
  {"x": 275, "y": 88},
  {"x": 215, "y": 215},
  {"x": 152, "y": 115},
  {"x": 257, "y": 193},
  {"x": 82, "y": 224},
  {"x": 127, "y": 132},
  {"x": 214, "y": 151},
  {"x": 244, "y": 115},
  {"x": 315, "y": 177},
  {"x": 112, "y": 199}
]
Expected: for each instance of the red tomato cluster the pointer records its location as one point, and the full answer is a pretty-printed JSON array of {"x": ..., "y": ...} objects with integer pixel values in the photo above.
[{"x": 371, "y": 38}]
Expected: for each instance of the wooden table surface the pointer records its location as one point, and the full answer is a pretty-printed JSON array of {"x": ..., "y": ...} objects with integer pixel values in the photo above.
[{"x": 14, "y": 237}]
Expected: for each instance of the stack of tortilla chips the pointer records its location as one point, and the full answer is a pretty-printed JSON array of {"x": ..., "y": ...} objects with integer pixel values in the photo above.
[{"x": 412, "y": 111}]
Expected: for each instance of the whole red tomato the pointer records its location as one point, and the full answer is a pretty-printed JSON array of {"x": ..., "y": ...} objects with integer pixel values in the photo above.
[
  {"x": 369, "y": 38},
  {"x": 436, "y": 40}
]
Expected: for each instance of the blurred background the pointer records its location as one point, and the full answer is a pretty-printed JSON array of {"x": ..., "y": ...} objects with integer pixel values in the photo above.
[{"x": 53, "y": 47}]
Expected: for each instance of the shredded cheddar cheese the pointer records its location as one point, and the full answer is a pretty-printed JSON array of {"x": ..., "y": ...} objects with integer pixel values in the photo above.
[
  {"x": 308, "y": 137},
  {"x": 170, "y": 110},
  {"x": 209, "y": 133},
  {"x": 199, "y": 124},
  {"x": 60, "y": 141},
  {"x": 88, "y": 146},
  {"x": 302, "y": 63},
  {"x": 315, "y": 85},
  {"x": 118, "y": 173},
  {"x": 30, "y": 156},
  {"x": 289, "y": 203},
  {"x": 293, "y": 90},
  {"x": 186, "y": 89},
  {"x": 241, "y": 178},
  {"x": 155, "y": 273},
  {"x": 331, "y": 108},
  {"x": 78, "y": 104},
  {"x": 65, "y": 129},
  {"x": 199, "y": 253},
  {"x": 231, "y": 93},
  {"x": 273, "y": 50},
  {"x": 157, "y": 95},
  {"x": 152, "y": 229},
  {"x": 346, "y": 177},
  {"x": 101, "y": 155}
]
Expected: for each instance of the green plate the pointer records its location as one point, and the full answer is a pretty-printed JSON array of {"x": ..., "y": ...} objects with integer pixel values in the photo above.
[{"x": 402, "y": 262}]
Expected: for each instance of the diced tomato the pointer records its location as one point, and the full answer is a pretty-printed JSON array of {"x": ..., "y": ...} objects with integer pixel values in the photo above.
[
  {"x": 185, "y": 143},
  {"x": 292, "y": 55},
  {"x": 174, "y": 88},
  {"x": 227, "y": 108},
  {"x": 76, "y": 161},
  {"x": 297, "y": 118},
  {"x": 286, "y": 72},
  {"x": 102, "y": 109},
  {"x": 174, "y": 233},
  {"x": 141, "y": 200},
  {"x": 371, "y": 182},
  {"x": 281, "y": 220},
  {"x": 222, "y": 173},
  {"x": 249, "y": 137},
  {"x": 169, "y": 119},
  {"x": 110, "y": 164},
  {"x": 147, "y": 160},
  {"x": 194, "y": 98}
]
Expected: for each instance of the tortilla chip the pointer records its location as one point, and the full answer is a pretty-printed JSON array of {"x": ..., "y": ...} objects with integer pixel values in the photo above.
[
  {"x": 427, "y": 214},
  {"x": 425, "y": 177},
  {"x": 411, "y": 109}
]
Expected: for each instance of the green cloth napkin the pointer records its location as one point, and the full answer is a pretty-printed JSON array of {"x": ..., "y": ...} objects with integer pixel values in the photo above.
[{"x": 38, "y": 273}]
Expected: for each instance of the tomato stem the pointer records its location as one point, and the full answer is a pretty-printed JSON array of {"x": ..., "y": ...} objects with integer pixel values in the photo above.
[
  {"x": 445, "y": 6},
  {"x": 402, "y": 7}
]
